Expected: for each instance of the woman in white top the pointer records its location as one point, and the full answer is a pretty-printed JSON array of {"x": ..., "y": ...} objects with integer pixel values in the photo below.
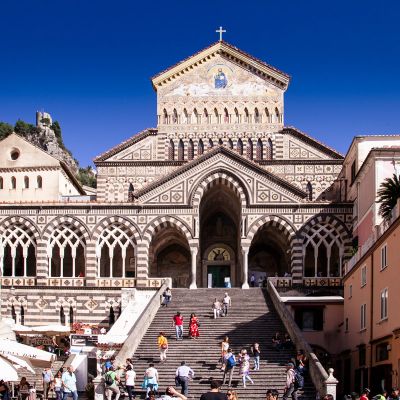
[
  {"x": 58, "y": 385},
  {"x": 130, "y": 376}
]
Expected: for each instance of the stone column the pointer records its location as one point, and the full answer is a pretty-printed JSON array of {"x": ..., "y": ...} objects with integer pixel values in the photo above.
[
  {"x": 245, "y": 275},
  {"x": 91, "y": 264},
  {"x": 42, "y": 264},
  {"x": 193, "y": 284},
  {"x": 142, "y": 267}
]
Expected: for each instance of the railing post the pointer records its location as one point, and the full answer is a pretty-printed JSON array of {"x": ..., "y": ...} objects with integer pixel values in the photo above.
[{"x": 331, "y": 383}]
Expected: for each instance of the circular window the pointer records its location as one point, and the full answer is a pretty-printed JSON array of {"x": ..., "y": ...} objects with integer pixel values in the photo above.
[{"x": 14, "y": 154}]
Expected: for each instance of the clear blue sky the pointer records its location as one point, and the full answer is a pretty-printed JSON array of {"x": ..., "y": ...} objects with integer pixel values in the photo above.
[{"x": 88, "y": 63}]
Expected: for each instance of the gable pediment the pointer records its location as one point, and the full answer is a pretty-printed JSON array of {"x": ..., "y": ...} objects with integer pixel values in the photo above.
[
  {"x": 252, "y": 64},
  {"x": 259, "y": 186}
]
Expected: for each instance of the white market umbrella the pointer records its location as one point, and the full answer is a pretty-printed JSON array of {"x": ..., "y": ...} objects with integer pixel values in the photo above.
[
  {"x": 20, "y": 362},
  {"x": 6, "y": 331},
  {"x": 50, "y": 330},
  {"x": 7, "y": 371},
  {"x": 38, "y": 358}
]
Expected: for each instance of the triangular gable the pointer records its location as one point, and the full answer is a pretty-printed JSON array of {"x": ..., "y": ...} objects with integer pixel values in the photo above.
[
  {"x": 261, "y": 187},
  {"x": 254, "y": 64},
  {"x": 30, "y": 154},
  {"x": 125, "y": 145},
  {"x": 310, "y": 141}
]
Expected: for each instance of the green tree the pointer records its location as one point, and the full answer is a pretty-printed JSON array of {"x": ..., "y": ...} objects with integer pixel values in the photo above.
[
  {"x": 5, "y": 130},
  {"x": 87, "y": 177},
  {"x": 25, "y": 129},
  {"x": 388, "y": 193}
]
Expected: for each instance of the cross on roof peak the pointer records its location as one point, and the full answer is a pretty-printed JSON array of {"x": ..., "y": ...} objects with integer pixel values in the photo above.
[{"x": 220, "y": 31}]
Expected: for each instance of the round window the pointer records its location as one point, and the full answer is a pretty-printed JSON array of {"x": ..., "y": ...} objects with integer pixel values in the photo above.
[{"x": 14, "y": 154}]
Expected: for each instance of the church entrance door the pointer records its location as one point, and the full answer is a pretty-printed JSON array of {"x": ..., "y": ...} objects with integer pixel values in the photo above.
[
  {"x": 218, "y": 275},
  {"x": 220, "y": 215}
]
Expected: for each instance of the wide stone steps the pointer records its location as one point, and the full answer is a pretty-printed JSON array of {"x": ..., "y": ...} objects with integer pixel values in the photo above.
[{"x": 251, "y": 319}]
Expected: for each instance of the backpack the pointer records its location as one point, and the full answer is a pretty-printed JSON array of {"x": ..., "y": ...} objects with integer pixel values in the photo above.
[
  {"x": 108, "y": 379},
  {"x": 230, "y": 362},
  {"x": 298, "y": 379}
]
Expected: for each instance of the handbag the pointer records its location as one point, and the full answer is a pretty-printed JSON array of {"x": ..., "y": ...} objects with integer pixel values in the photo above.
[{"x": 164, "y": 346}]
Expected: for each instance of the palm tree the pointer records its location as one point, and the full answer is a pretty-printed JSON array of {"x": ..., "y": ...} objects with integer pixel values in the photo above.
[{"x": 388, "y": 194}]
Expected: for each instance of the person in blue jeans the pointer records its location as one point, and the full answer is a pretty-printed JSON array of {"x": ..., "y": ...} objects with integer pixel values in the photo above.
[{"x": 69, "y": 384}]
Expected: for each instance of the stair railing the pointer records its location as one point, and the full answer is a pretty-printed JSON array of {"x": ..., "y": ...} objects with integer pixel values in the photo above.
[
  {"x": 324, "y": 383},
  {"x": 140, "y": 327}
]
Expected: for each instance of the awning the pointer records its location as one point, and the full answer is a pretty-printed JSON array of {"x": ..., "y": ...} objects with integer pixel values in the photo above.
[
  {"x": 7, "y": 371},
  {"x": 38, "y": 358},
  {"x": 50, "y": 330}
]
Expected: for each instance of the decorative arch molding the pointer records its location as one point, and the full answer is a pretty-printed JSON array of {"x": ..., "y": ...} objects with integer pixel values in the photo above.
[
  {"x": 341, "y": 228},
  {"x": 25, "y": 223},
  {"x": 160, "y": 223},
  {"x": 277, "y": 221},
  {"x": 116, "y": 220},
  {"x": 77, "y": 224},
  {"x": 219, "y": 177}
]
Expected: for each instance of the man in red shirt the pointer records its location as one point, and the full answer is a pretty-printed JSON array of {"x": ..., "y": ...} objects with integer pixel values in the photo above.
[{"x": 178, "y": 323}]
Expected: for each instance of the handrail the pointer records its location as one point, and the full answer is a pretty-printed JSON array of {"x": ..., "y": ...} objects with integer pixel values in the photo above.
[
  {"x": 324, "y": 383},
  {"x": 140, "y": 327}
]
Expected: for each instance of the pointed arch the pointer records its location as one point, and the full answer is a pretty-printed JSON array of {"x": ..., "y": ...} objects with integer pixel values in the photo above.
[
  {"x": 277, "y": 115},
  {"x": 275, "y": 220},
  {"x": 190, "y": 151},
  {"x": 1, "y": 183},
  {"x": 196, "y": 116},
  {"x": 186, "y": 117},
  {"x": 214, "y": 178},
  {"x": 171, "y": 150},
  {"x": 220, "y": 142},
  {"x": 210, "y": 144},
  {"x": 26, "y": 182},
  {"x": 267, "y": 115},
  {"x": 257, "y": 116},
  {"x": 246, "y": 116},
  {"x": 237, "y": 116},
  {"x": 13, "y": 182},
  {"x": 165, "y": 116},
  {"x": 175, "y": 116},
  {"x": 268, "y": 150},
  {"x": 230, "y": 144},
  {"x": 207, "y": 116},
  {"x": 200, "y": 147},
  {"x": 39, "y": 182},
  {"x": 239, "y": 147},
  {"x": 249, "y": 150},
  {"x": 259, "y": 150},
  {"x": 226, "y": 116},
  {"x": 216, "y": 116},
  {"x": 181, "y": 150},
  {"x": 165, "y": 221}
]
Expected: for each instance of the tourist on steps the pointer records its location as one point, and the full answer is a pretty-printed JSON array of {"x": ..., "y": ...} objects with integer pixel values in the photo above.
[
  {"x": 113, "y": 386},
  {"x": 162, "y": 346},
  {"x": 167, "y": 297},
  {"x": 224, "y": 351},
  {"x": 178, "y": 323},
  {"x": 150, "y": 382},
  {"x": 130, "y": 376},
  {"x": 290, "y": 389},
  {"x": 214, "y": 393},
  {"x": 194, "y": 326},
  {"x": 227, "y": 303},
  {"x": 182, "y": 377},
  {"x": 244, "y": 362},
  {"x": 255, "y": 349},
  {"x": 230, "y": 363},
  {"x": 216, "y": 308}
]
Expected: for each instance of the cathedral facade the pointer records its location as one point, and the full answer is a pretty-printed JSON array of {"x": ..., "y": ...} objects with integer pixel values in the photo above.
[{"x": 220, "y": 191}]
